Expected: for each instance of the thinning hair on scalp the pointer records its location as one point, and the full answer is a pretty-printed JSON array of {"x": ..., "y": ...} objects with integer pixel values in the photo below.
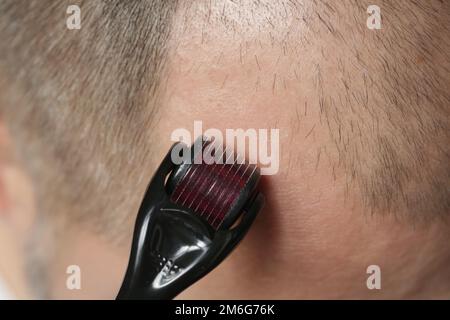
[
  {"x": 383, "y": 95},
  {"x": 77, "y": 101},
  {"x": 81, "y": 104},
  {"x": 387, "y": 106}
]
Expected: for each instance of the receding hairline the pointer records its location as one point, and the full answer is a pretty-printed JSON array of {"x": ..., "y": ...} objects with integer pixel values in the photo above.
[{"x": 387, "y": 107}]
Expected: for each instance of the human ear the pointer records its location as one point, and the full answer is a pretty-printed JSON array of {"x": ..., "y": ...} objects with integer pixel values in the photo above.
[{"x": 16, "y": 194}]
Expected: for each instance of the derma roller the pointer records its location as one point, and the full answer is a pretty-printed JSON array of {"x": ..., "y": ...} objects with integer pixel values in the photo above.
[{"x": 192, "y": 216}]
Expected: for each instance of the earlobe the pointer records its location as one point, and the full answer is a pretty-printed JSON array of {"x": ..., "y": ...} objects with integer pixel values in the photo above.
[
  {"x": 3, "y": 198},
  {"x": 16, "y": 196},
  {"x": 4, "y": 155}
]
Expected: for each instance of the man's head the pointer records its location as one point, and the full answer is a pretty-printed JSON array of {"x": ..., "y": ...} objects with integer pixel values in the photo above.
[{"x": 363, "y": 115}]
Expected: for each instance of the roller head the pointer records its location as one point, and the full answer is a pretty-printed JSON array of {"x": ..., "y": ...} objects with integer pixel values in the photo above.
[
  {"x": 217, "y": 192},
  {"x": 187, "y": 222}
]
